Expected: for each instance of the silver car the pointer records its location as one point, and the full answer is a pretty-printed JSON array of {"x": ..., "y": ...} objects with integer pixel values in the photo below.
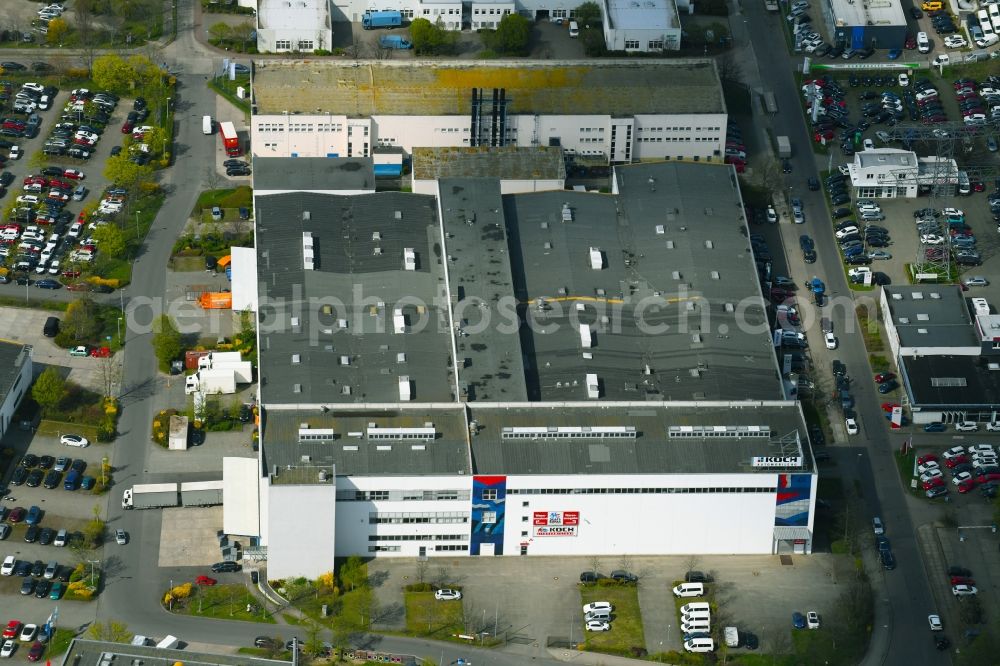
[{"x": 976, "y": 281}]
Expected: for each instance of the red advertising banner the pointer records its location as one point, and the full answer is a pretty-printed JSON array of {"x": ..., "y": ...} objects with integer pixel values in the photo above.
[{"x": 541, "y": 518}]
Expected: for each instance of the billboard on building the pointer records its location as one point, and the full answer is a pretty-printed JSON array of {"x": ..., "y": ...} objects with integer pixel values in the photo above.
[{"x": 555, "y": 523}]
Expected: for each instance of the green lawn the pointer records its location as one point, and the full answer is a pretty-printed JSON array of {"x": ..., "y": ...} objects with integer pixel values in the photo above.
[
  {"x": 236, "y": 197},
  {"x": 223, "y": 602},
  {"x": 428, "y": 617},
  {"x": 626, "y": 627},
  {"x": 60, "y": 642}
]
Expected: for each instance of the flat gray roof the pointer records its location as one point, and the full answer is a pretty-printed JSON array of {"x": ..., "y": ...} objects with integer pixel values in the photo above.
[
  {"x": 13, "y": 356},
  {"x": 343, "y": 442},
  {"x": 654, "y": 450},
  {"x": 314, "y": 173},
  {"x": 505, "y": 163},
  {"x": 952, "y": 382},
  {"x": 931, "y": 316},
  {"x": 675, "y": 310},
  {"x": 436, "y": 88},
  {"x": 83, "y": 652},
  {"x": 490, "y": 360},
  {"x": 327, "y": 335},
  {"x": 847, "y": 13}
]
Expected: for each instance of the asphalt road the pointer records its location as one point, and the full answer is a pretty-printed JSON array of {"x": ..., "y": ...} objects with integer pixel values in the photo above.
[{"x": 909, "y": 598}]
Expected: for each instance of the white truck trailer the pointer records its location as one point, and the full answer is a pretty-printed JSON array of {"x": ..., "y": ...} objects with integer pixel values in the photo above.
[{"x": 150, "y": 496}]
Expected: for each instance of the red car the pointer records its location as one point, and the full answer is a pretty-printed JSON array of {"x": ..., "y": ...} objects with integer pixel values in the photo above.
[
  {"x": 13, "y": 629},
  {"x": 884, "y": 377},
  {"x": 100, "y": 352},
  {"x": 35, "y": 653},
  {"x": 71, "y": 274},
  {"x": 962, "y": 580},
  {"x": 16, "y": 514},
  {"x": 989, "y": 476},
  {"x": 74, "y": 174},
  {"x": 35, "y": 180},
  {"x": 61, "y": 184},
  {"x": 127, "y": 127},
  {"x": 927, "y": 458},
  {"x": 78, "y": 286},
  {"x": 936, "y": 481},
  {"x": 957, "y": 460},
  {"x": 205, "y": 580},
  {"x": 966, "y": 486}
]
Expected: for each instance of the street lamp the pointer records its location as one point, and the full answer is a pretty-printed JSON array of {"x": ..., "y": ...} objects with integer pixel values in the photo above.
[
  {"x": 137, "y": 224},
  {"x": 92, "y": 563},
  {"x": 119, "y": 330}
]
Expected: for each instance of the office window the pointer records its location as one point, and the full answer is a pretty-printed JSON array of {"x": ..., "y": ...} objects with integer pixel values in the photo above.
[
  {"x": 285, "y": 44},
  {"x": 305, "y": 45},
  {"x": 631, "y": 44},
  {"x": 490, "y": 494},
  {"x": 656, "y": 45}
]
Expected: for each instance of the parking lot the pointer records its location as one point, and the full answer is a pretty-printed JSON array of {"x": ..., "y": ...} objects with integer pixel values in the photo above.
[{"x": 538, "y": 602}]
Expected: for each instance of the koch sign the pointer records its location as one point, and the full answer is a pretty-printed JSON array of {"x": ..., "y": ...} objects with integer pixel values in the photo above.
[
  {"x": 555, "y": 530},
  {"x": 554, "y": 518},
  {"x": 776, "y": 461}
]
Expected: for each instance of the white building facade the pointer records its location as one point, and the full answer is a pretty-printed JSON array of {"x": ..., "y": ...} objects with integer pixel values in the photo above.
[
  {"x": 287, "y": 26},
  {"x": 646, "y": 27},
  {"x": 621, "y": 139}
]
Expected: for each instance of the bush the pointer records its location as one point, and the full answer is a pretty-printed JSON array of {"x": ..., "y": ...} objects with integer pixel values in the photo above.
[
  {"x": 419, "y": 587},
  {"x": 161, "y": 426},
  {"x": 322, "y": 52}
]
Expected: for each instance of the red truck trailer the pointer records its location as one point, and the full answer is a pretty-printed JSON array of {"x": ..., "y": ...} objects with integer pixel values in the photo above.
[{"x": 229, "y": 139}]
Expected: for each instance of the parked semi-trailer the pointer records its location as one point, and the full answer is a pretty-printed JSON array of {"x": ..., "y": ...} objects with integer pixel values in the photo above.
[
  {"x": 150, "y": 496},
  {"x": 201, "y": 493}
]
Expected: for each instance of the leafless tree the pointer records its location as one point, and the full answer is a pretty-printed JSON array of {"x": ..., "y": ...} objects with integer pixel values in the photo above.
[
  {"x": 691, "y": 563},
  {"x": 729, "y": 66},
  {"x": 422, "y": 567},
  {"x": 110, "y": 371},
  {"x": 625, "y": 562},
  {"x": 595, "y": 563}
]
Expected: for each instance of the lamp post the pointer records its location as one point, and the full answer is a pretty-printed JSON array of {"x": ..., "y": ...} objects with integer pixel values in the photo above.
[
  {"x": 137, "y": 224},
  {"x": 119, "y": 330},
  {"x": 92, "y": 564}
]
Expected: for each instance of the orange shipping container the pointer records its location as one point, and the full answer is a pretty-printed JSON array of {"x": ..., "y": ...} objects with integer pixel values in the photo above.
[{"x": 216, "y": 300}]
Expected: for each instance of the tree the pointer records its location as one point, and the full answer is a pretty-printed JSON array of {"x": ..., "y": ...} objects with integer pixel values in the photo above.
[
  {"x": 112, "y": 72},
  {"x": 353, "y": 573},
  {"x": 729, "y": 66},
  {"x": 156, "y": 139},
  {"x": 431, "y": 38},
  {"x": 511, "y": 36},
  {"x": 166, "y": 341},
  {"x": 81, "y": 322},
  {"x": 58, "y": 29},
  {"x": 588, "y": 14},
  {"x": 111, "y": 240},
  {"x": 220, "y": 32},
  {"x": 49, "y": 389},
  {"x": 121, "y": 171},
  {"x": 110, "y": 372},
  {"x": 114, "y": 631},
  {"x": 85, "y": 31}
]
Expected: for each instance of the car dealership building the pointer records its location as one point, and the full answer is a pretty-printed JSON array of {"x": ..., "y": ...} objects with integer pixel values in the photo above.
[{"x": 545, "y": 373}]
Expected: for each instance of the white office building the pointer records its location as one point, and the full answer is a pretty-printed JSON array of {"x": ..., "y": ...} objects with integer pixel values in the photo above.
[
  {"x": 468, "y": 372},
  {"x": 890, "y": 173},
  {"x": 293, "y": 26},
  {"x": 615, "y": 111}
]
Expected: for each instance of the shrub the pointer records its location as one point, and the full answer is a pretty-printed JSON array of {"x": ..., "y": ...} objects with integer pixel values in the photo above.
[
  {"x": 161, "y": 426},
  {"x": 419, "y": 587},
  {"x": 322, "y": 52}
]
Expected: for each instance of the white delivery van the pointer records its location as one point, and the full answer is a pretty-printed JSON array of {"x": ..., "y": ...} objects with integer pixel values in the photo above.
[
  {"x": 923, "y": 42},
  {"x": 689, "y": 590},
  {"x": 699, "y": 645},
  {"x": 732, "y": 636},
  {"x": 206, "y": 124},
  {"x": 696, "y": 616},
  {"x": 694, "y": 607},
  {"x": 574, "y": 29}
]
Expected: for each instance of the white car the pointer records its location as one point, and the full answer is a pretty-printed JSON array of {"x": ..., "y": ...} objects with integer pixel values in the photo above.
[
  {"x": 955, "y": 42},
  {"x": 598, "y": 625},
  {"x": 869, "y": 144},
  {"x": 931, "y": 239},
  {"x": 798, "y": 217},
  {"x": 953, "y": 212},
  {"x": 976, "y": 281},
  {"x": 74, "y": 440},
  {"x": 852, "y": 426},
  {"x": 981, "y": 449},
  {"x": 772, "y": 215},
  {"x": 74, "y": 230},
  {"x": 967, "y": 426},
  {"x": 121, "y": 539},
  {"x": 960, "y": 477},
  {"x": 984, "y": 462},
  {"x": 27, "y": 199},
  {"x": 928, "y": 466},
  {"x": 812, "y": 620},
  {"x": 846, "y": 231},
  {"x": 904, "y": 80},
  {"x": 447, "y": 595},
  {"x": 926, "y": 94},
  {"x": 855, "y": 272},
  {"x": 831, "y": 341},
  {"x": 15, "y": 153},
  {"x": 941, "y": 59},
  {"x": 598, "y": 606},
  {"x": 930, "y": 474},
  {"x": 963, "y": 590},
  {"x": 953, "y": 452},
  {"x": 28, "y": 633},
  {"x": 7, "y": 568},
  {"x": 993, "y": 427},
  {"x": 935, "y": 622},
  {"x": 8, "y": 648}
]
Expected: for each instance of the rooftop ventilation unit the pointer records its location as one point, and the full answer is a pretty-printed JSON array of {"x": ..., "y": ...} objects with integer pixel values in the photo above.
[
  {"x": 409, "y": 259},
  {"x": 935, "y": 295},
  {"x": 596, "y": 258},
  {"x": 307, "y": 250},
  {"x": 405, "y": 389},
  {"x": 398, "y": 321},
  {"x": 567, "y": 213},
  {"x": 426, "y": 433},
  {"x": 306, "y": 216},
  {"x": 593, "y": 386},
  {"x": 398, "y": 215},
  {"x": 918, "y": 296}
]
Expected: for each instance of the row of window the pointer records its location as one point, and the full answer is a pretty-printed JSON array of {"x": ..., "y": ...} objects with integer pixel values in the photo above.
[
  {"x": 286, "y": 45},
  {"x": 585, "y": 130},
  {"x": 300, "y": 127},
  {"x": 451, "y": 11},
  {"x": 591, "y": 139},
  {"x": 400, "y": 495},
  {"x": 675, "y": 129},
  {"x": 446, "y": 517},
  {"x": 395, "y": 549},
  {"x": 418, "y": 537},
  {"x": 630, "y": 491},
  {"x": 492, "y": 11}
]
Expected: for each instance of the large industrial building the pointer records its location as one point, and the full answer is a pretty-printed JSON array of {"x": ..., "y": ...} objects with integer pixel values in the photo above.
[
  {"x": 880, "y": 24},
  {"x": 16, "y": 372},
  {"x": 613, "y": 111},
  {"x": 475, "y": 373},
  {"x": 294, "y": 26}
]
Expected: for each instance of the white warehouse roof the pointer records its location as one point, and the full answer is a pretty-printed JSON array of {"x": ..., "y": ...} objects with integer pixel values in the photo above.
[{"x": 642, "y": 14}]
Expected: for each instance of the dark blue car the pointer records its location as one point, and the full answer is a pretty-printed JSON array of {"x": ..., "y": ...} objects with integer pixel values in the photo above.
[
  {"x": 936, "y": 426},
  {"x": 798, "y": 620}
]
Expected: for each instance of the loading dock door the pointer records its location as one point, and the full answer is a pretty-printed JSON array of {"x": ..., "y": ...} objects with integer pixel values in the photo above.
[{"x": 858, "y": 37}]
